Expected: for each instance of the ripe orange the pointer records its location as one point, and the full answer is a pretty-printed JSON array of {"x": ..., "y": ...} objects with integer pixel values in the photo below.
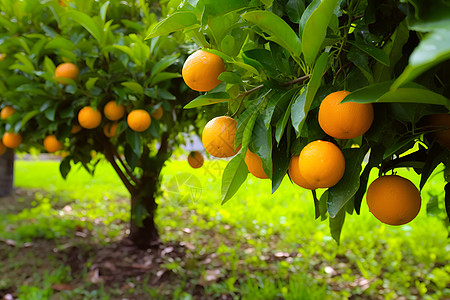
[
  {"x": 6, "y": 112},
  {"x": 11, "y": 139},
  {"x": 113, "y": 111},
  {"x": 322, "y": 164},
  {"x": 75, "y": 129},
  {"x": 201, "y": 71},
  {"x": 393, "y": 200},
  {"x": 66, "y": 70},
  {"x": 195, "y": 159},
  {"x": 218, "y": 137},
  {"x": 294, "y": 173},
  {"x": 158, "y": 113},
  {"x": 51, "y": 144},
  {"x": 89, "y": 117},
  {"x": 110, "y": 129},
  {"x": 2, "y": 149},
  {"x": 440, "y": 124},
  {"x": 254, "y": 165},
  {"x": 2, "y": 56},
  {"x": 139, "y": 120},
  {"x": 347, "y": 120}
]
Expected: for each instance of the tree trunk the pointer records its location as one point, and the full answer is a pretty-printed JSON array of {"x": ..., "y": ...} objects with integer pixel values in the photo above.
[
  {"x": 145, "y": 236},
  {"x": 6, "y": 172},
  {"x": 143, "y": 203}
]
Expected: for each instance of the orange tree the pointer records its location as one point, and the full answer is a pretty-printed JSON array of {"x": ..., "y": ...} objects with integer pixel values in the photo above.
[
  {"x": 81, "y": 80},
  {"x": 317, "y": 86}
]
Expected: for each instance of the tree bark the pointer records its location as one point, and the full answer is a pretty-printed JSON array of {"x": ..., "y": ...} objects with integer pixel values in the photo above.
[{"x": 6, "y": 173}]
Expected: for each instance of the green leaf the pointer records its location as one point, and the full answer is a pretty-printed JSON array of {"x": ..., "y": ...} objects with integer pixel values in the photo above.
[
  {"x": 411, "y": 93},
  {"x": 163, "y": 64},
  {"x": 281, "y": 126},
  {"x": 281, "y": 160},
  {"x": 219, "y": 8},
  {"x": 298, "y": 114},
  {"x": 134, "y": 141},
  {"x": 88, "y": 23},
  {"x": 336, "y": 224},
  {"x": 125, "y": 49},
  {"x": 277, "y": 29},
  {"x": 346, "y": 188},
  {"x": 230, "y": 77},
  {"x": 432, "y": 50},
  {"x": 399, "y": 144},
  {"x": 233, "y": 177},
  {"x": 134, "y": 86},
  {"x": 28, "y": 117},
  {"x": 295, "y": 9},
  {"x": 316, "y": 28},
  {"x": 103, "y": 10},
  {"x": 177, "y": 21},
  {"x": 64, "y": 167},
  {"x": 248, "y": 131},
  {"x": 208, "y": 99},
  {"x": 373, "y": 51},
  {"x": 315, "y": 81},
  {"x": 91, "y": 83},
  {"x": 323, "y": 205},
  {"x": 51, "y": 112},
  {"x": 436, "y": 155},
  {"x": 163, "y": 76},
  {"x": 262, "y": 142},
  {"x": 60, "y": 43}
]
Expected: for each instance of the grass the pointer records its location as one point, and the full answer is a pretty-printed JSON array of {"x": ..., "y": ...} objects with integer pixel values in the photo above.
[{"x": 257, "y": 246}]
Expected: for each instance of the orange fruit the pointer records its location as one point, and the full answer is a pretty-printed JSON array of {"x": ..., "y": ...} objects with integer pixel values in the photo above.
[
  {"x": 158, "y": 113},
  {"x": 195, "y": 159},
  {"x": 139, "y": 120},
  {"x": 66, "y": 70},
  {"x": 201, "y": 71},
  {"x": 6, "y": 112},
  {"x": 51, "y": 144},
  {"x": 347, "y": 120},
  {"x": 2, "y": 149},
  {"x": 393, "y": 200},
  {"x": 218, "y": 137},
  {"x": 11, "y": 139},
  {"x": 89, "y": 117},
  {"x": 254, "y": 165},
  {"x": 113, "y": 111},
  {"x": 321, "y": 164},
  {"x": 75, "y": 129},
  {"x": 110, "y": 129},
  {"x": 440, "y": 124},
  {"x": 2, "y": 56},
  {"x": 294, "y": 174}
]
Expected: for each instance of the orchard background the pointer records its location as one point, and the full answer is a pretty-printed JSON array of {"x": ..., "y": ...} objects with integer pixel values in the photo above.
[{"x": 273, "y": 64}]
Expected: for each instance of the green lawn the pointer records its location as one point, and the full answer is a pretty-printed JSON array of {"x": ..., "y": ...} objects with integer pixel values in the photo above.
[{"x": 268, "y": 246}]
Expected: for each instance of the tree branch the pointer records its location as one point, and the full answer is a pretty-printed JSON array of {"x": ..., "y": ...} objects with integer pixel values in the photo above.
[
  {"x": 107, "y": 147},
  {"x": 127, "y": 169}
]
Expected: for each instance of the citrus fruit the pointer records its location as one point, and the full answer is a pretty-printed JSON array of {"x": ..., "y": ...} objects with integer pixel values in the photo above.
[
  {"x": 2, "y": 149},
  {"x": 110, "y": 129},
  {"x": 201, "y": 71},
  {"x": 158, "y": 113},
  {"x": 218, "y": 137},
  {"x": 51, "y": 144},
  {"x": 347, "y": 120},
  {"x": 393, "y": 200},
  {"x": 89, "y": 117},
  {"x": 113, "y": 111},
  {"x": 440, "y": 124},
  {"x": 75, "y": 128},
  {"x": 11, "y": 139},
  {"x": 6, "y": 112},
  {"x": 2, "y": 56},
  {"x": 139, "y": 120},
  {"x": 294, "y": 173},
  {"x": 321, "y": 164},
  {"x": 195, "y": 159},
  {"x": 66, "y": 70},
  {"x": 254, "y": 165}
]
